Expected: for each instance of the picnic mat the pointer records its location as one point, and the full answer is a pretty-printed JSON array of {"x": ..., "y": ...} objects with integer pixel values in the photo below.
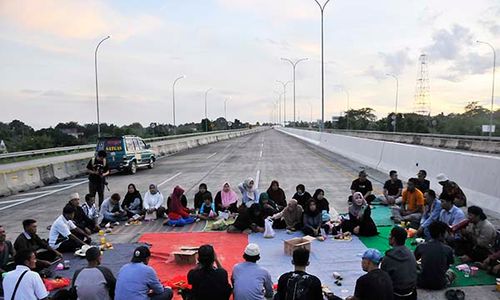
[
  {"x": 228, "y": 247},
  {"x": 210, "y": 223},
  {"x": 326, "y": 257},
  {"x": 381, "y": 215}
]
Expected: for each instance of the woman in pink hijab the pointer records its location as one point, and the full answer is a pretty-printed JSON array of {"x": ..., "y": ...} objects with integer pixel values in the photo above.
[{"x": 226, "y": 199}]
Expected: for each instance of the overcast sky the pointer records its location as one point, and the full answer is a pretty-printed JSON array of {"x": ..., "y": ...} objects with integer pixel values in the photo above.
[{"x": 234, "y": 46}]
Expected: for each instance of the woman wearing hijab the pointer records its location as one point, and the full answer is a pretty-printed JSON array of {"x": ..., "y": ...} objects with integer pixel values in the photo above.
[
  {"x": 132, "y": 202},
  {"x": 249, "y": 193},
  {"x": 153, "y": 202},
  {"x": 267, "y": 206},
  {"x": 277, "y": 195},
  {"x": 177, "y": 204},
  {"x": 301, "y": 195},
  {"x": 360, "y": 221},
  {"x": 290, "y": 217},
  {"x": 312, "y": 219},
  {"x": 226, "y": 199},
  {"x": 199, "y": 196},
  {"x": 248, "y": 220}
]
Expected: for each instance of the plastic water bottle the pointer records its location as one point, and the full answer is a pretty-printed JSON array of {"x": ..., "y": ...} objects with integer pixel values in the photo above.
[{"x": 467, "y": 272}]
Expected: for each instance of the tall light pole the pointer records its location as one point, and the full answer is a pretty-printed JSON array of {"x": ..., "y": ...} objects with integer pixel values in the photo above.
[
  {"x": 173, "y": 100},
  {"x": 322, "y": 8},
  {"x": 294, "y": 65},
  {"x": 493, "y": 85},
  {"x": 284, "y": 99},
  {"x": 206, "y": 114},
  {"x": 279, "y": 106},
  {"x": 397, "y": 95},
  {"x": 97, "y": 86}
]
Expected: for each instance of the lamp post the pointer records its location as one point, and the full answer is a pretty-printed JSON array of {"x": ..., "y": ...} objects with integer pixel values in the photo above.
[
  {"x": 294, "y": 65},
  {"x": 397, "y": 95},
  {"x": 279, "y": 106},
  {"x": 173, "y": 100},
  {"x": 322, "y": 9},
  {"x": 284, "y": 84},
  {"x": 492, "y": 87},
  {"x": 97, "y": 86},
  {"x": 206, "y": 114}
]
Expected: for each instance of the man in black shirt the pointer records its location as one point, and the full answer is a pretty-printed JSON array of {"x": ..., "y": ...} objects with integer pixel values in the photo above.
[
  {"x": 302, "y": 196},
  {"x": 421, "y": 183},
  {"x": 362, "y": 185},
  {"x": 45, "y": 255},
  {"x": 98, "y": 170},
  {"x": 208, "y": 282},
  {"x": 436, "y": 260},
  {"x": 376, "y": 283},
  {"x": 392, "y": 189},
  {"x": 299, "y": 285}
]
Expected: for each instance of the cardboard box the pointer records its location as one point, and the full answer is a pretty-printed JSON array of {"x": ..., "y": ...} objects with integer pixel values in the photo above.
[
  {"x": 187, "y": 257},
  {"x": 296, "y": 243}
]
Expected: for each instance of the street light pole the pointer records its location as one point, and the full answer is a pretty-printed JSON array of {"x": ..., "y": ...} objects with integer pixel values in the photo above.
[
  {"x": 173, "y": 100},
  {"x": 206, "y": 114},
  {"x": 97, "y": 86},
  {"x": 397, "y": 95},
  {"x": 492, "y": 87},
  {"x": 294, "y": 65},
  {"x": 322, "y": 8},
  {"x": 284, "y": 100}
]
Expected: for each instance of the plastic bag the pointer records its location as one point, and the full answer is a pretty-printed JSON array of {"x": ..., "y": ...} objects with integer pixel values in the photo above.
[
  {"x": 57, "y": 283},
  {"x": 269, "y": 231}
]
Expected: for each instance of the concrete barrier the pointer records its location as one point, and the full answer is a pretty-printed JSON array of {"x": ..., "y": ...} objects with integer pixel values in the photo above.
[
  {"x": 477, "y": 174},
  {"x": 36, "y": 175}
]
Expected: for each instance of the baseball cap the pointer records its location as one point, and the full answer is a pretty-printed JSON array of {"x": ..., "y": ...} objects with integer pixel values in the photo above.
[
  {"x": 442, "y": 177},
  {"x": 140, "y": 254},
  {"x": 74, "y": 196},
  {"x": 373, "y": 255},
  {"x": 252, "y": 250}
]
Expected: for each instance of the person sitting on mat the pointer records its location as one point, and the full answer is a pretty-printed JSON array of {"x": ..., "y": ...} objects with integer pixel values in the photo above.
[
  {"x": 422, "y": 184},
  {"x": 132, "y": 203},
  {"x": 111, "y": 211},
  {"x": 64, "y": 236},
  {"x": 376, "y": 283},
  {"x": 302, "y": 196},
  {"x": 492, "y": 263},
  {"x": 290, "y": 216},
  {"x": 90, "y": 209},
  {"x": 392, "y": 190},
  {"x": 360, "y": 221},
  {"x": 248, "y": 221},
  {"x": 478, "y": 238},
  {"x": 178, "y": 213},
  {"x": 362, "y": 185},
  {"x": 451, "y": 190},
  {"x": 199, "y": 196},
  {"x": 399, "y": 262},
  {"x": 436, "y": 258},
  {"x": 312, "y": 222},
  {"x": 154, "y": 203},
  {"x": 249, "y": 194},
  {"x": 137, "y": 280},
  {"x": 250, "y": 281},
  {"x": 226, "y": 199},
  {"x": 267, "y": 206},
  {"x": 431, "y": 213},
  {"x": 298, "y": 284},
  {"x": 207, "y": 208},
  {"x": 208, "y": 282},
  {"x": 412, "y": 205},
  {"x": 277, "y": 195},
  {"x": 7, "y": 252},
  {"x": 81, "y": 219}
]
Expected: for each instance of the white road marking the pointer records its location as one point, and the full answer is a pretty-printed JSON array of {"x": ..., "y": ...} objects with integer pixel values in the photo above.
[
  {"x": 260, "y": 153},
  {"x": 41, "y": 196},
  {"x": 167, "y": 180},
  {"x": 31, "y": 193},
  {"x": 212, "y": 155},
  {"x": 257, "y": 178},
  {"x": 16, "y": 200}
]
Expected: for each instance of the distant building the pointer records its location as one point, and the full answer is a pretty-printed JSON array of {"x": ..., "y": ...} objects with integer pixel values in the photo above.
[
  {"x": 73, "y": 132},
  {"x": 3, "y": 148}
]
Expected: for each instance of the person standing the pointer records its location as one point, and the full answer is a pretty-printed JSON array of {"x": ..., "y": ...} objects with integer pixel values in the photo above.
[
  {"x": 94, "y": 282},
  {"x": 376, "y": 283},
  {"x": 250, "y": 281},
  {"x": 208, "y": 282},
  {"x": 98, "y": 169},
  {"x": 299, "y": 285},
  {"x": 22, "y": 283}
]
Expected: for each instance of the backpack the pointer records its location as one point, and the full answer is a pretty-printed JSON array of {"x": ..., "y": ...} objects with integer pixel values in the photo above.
[{"x": 297, "y": 287}]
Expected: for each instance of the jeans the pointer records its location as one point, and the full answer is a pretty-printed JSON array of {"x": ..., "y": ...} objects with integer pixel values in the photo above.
[{"x": 97, "y": 187}]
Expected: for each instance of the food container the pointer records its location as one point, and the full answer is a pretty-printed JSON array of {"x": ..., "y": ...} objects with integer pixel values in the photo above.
[{"x": 473, "y": 271}]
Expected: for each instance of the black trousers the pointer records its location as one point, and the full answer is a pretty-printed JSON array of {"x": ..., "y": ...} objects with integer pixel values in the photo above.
[{"x": 97, "y": 187}]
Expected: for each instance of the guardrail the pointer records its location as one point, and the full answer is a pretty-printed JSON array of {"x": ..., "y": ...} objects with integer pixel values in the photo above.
[{"x": 91, "y": 147}]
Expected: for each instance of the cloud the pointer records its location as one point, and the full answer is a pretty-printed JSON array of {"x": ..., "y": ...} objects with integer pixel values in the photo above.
[
  {"x": 448, "y": 44},
  {"x": 288, "y": 10},
  {"x": 374, "y": 72},
  {"x": 470, "y": 64},
  {"x": 429, "y": 16},
  {"x": 74, "y": 19},
  {"x": 396, "y": 62},
  {"x": 30, "y": 91},
  {"x": 282, "y": 45}
]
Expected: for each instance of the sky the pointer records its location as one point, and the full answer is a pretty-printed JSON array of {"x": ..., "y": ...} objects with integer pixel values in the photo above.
[{"x": 234, "y": 47}]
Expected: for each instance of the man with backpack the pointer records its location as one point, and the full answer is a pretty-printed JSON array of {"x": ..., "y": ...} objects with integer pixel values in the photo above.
[{"x": 98, "y": 170}]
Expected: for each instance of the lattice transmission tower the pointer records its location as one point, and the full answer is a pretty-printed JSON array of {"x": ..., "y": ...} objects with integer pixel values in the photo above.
[{"x": 422, "y": 105}]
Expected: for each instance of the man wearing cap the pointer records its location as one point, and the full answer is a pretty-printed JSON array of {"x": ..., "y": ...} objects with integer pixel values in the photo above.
[
  {"x": 250, "y": 281},
  {"x": 138, "y": 281},
  {"x": 94, "y": 282},
  {"x": 399, "y": 262},
  {"x": 451, "y": 191},
  {"x": 375, "y": 284},
  {"x": 81, "y": 219},
  {"x": 362, "y": 185},
  {"x": 298, "y": 284}
]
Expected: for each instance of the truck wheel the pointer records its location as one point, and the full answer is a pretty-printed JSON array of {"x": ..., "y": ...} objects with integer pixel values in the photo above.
[
  {"x": 151, "y": 163},
  {"x": 133, "y": 168}
]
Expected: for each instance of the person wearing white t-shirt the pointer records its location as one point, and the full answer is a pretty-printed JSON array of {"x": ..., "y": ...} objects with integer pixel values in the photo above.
[
  {"x": 64, "y": 236},
  {"x": 22, "y": 283}
]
